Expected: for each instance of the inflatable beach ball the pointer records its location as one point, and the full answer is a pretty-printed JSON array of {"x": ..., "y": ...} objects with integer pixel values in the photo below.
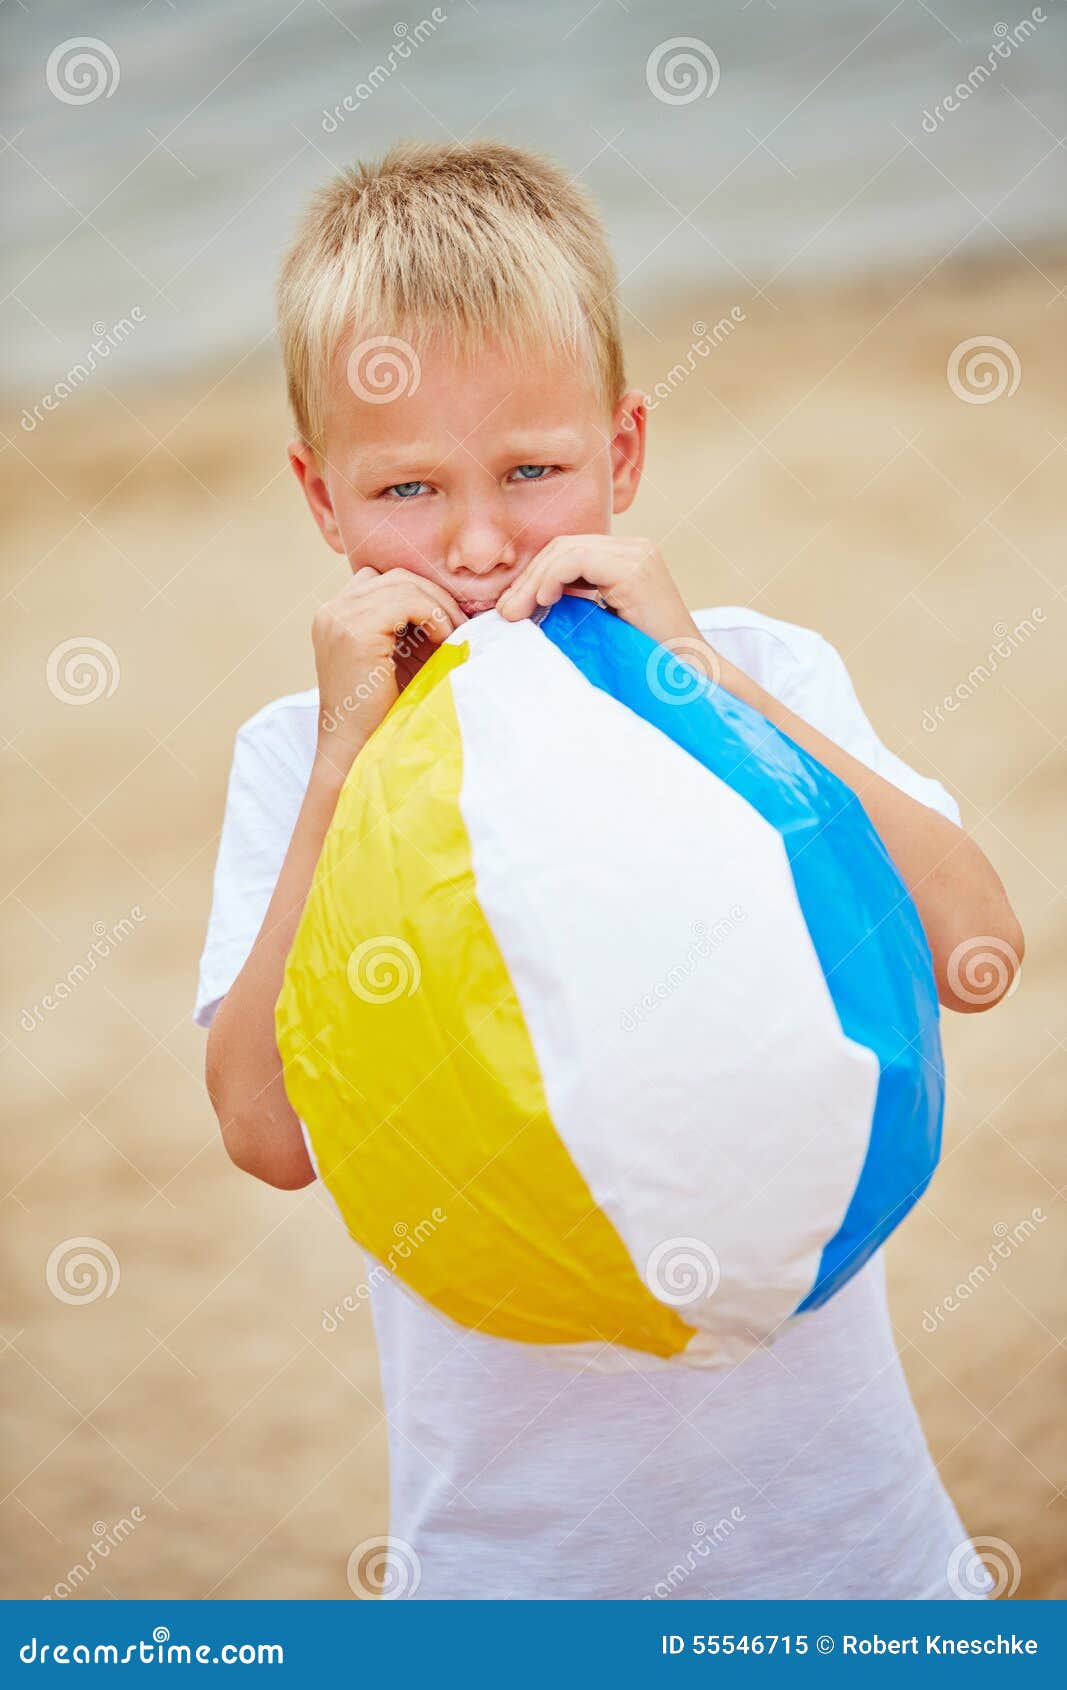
[{"x": 611, "y": 1024}]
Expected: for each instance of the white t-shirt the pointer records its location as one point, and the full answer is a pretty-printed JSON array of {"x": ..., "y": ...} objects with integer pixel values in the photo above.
[{"x": 801, "y": 1473}]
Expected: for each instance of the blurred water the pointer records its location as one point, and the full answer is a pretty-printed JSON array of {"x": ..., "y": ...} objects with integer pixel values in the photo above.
[{"x": 174, "y": 192}]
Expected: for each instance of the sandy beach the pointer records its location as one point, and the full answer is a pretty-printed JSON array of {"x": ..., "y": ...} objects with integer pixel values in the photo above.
[{"x": 815, "y": 461}]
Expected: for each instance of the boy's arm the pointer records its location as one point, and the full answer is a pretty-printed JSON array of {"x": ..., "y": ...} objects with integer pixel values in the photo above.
[
  {"x": 957, "y": 892},
  {"x": 357, "y": 659},
  {"x": 243, "y": 1068}
]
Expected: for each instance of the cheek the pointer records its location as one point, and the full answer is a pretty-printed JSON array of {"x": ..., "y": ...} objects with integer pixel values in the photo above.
[
  {"x": 579, "y": 505},
  {"x": 372, "y": 538}
]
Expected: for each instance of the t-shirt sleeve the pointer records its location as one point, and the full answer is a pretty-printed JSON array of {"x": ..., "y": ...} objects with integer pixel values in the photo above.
[
  {"x": 819, "y": 688},
  {"x": 263, "y": 800},
  {"x": 808, "y": 674}
]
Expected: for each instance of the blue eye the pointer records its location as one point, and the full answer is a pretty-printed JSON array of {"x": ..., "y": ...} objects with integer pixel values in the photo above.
[
  {"x": 532, "y": 472},
  {"x": 405, "y": 489}
]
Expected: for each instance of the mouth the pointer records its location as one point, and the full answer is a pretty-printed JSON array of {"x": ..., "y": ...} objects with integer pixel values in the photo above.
[
  {"x": 476, "y": 607},
  {"x": 486, "y": 592}
]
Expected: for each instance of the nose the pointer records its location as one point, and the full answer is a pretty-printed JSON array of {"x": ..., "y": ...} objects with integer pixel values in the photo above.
[{"x": 478, "y": 538}]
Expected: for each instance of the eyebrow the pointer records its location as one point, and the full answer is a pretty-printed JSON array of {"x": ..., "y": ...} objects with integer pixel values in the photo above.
[{"x": 551, "y": 443}]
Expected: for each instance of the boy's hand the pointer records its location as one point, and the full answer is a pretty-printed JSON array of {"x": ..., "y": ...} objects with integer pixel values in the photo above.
[
  {"x": 369, "y": 641},
  {"x": 630, "y": 574}
]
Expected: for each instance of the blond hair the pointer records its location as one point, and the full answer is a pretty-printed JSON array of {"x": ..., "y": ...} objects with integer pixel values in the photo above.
[{"x": 464, "y": 245}]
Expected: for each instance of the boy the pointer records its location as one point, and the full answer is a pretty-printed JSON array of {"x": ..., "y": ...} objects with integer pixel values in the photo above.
[{"x": 465, "y": 435}]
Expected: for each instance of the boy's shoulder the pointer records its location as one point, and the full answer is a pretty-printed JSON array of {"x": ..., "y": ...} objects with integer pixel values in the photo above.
[
  {"x": 290, "y": 711},
  {"x": 779, "y": 655},
  {"x": 793, "y": 641},
  {"x": 284, "y": 730}
]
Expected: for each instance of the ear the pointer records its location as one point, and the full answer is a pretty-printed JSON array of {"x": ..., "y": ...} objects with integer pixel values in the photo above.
[
  {"x": 308, "y": 472},
  {"x": 627, "y": 449}
]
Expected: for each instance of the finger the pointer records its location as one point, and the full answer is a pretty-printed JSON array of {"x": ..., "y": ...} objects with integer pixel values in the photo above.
[
  {"x": 607, "y": 565},
  {"x": 420, "y": 631},
  {"x": 567, "y": 558},
  {"x": 369, "y": 580},
  {"x": 521, "y": 596},
  {"x": 361, "y": 580},
  {"x": 401, "y": 588},
  {"x": 419, "y": 609},
  {"x": 421, "y": 586},
  {"x": 514, "y": 594},
  {"x": 447, "y": 602},
  {"x": 422, "y": 583}
]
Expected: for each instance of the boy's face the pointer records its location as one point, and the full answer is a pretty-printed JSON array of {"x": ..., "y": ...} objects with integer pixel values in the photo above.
[{"x": 464, "y": 479}]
